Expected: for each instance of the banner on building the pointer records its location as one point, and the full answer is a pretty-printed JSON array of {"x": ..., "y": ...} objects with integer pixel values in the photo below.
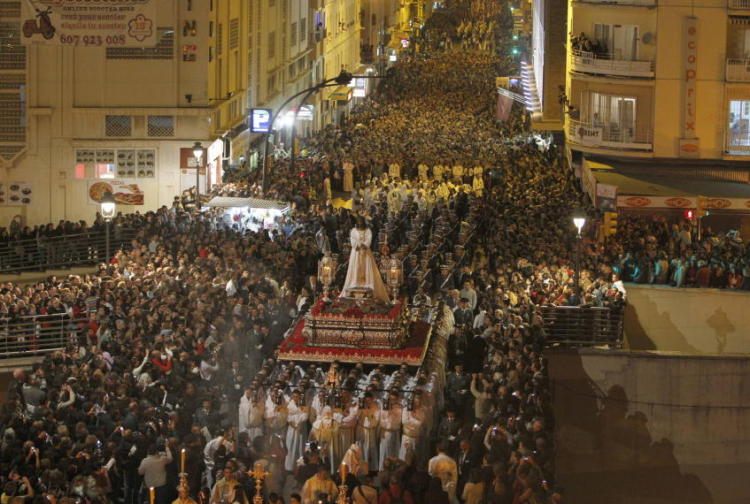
[
  {"x": 16, "y": 193},
  {"x": 89, "y": 23},
  {"x": 588, "y": 134},
  {"x": 504, "y": 106},
  {"x": 126, "y": 192},
  {"x": 689, "y": 145}
]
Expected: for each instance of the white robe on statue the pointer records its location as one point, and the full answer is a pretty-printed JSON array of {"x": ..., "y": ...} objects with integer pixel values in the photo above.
[{"x": 363, "y": 270}]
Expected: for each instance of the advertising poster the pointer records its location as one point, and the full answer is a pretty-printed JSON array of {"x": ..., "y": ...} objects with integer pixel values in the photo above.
[
  {"x": 16, "y": 193},
  {"x": 89, "y": 23},
  {"x": 126, "y": 192}
]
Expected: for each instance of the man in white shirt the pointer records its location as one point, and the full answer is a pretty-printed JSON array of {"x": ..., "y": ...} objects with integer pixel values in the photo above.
[{"x": 445, "y": 468}]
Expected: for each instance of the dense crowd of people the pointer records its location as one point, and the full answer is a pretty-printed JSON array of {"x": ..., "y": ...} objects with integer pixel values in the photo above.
[
  {"x": 169, "y": 368},
  {"x": 658, "y": 250}
]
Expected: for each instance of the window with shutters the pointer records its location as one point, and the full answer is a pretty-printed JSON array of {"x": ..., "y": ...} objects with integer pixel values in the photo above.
[
  {"x": 302, "y": 30},
  {"x": 219, "y": 39},
  {"x": 10, "y": 9},
  {"x": 271, "y": 45},
  {"x": 234, "y": 33},
  {"x": 118, "y": 126},
  {"x": 160, "y": 126},
  {"x": 293, "y": 35},
  {"x": 163, "y": 50},
  {"x": 12, "y": 81}
]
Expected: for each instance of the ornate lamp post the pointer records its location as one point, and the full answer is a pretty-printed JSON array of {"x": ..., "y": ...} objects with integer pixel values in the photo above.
[
  {"x": 326, "y": 273},
  {"x": 579, "y": 220},
  {"x": 107, "y": 208},
  {"x": 395, "y": 275},
  {"x": 198, "y": 155}
]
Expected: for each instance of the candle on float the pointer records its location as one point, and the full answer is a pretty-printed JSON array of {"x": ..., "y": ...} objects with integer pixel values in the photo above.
[
  {"x": 183, "y": 452},
  {"x": 151, "y": 495},
  {"x": 344, "y": 470}
]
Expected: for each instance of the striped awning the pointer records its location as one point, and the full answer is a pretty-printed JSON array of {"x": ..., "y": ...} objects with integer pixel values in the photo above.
[{"x": 341, "y": 93}]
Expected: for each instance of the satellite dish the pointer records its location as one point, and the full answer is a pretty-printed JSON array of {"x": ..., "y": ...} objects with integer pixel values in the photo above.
[{"x": 647, "y": 38}]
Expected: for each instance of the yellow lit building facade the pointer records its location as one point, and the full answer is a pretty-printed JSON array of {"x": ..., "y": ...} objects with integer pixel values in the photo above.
[
  {"x": 74, "y": 116},
  {"x": 658, "y": 78}
]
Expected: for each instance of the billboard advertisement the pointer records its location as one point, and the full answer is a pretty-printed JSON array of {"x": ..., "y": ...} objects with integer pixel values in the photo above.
[
  {"x": 89, "y": 23},
  {"x": 126, "y": 192}
]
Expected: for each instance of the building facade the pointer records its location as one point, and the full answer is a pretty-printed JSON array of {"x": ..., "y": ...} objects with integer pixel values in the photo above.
[
  {"x": 122, "y": 116},
  {"x": 74, "y": 116},
  {"x": 659, "y": 78}
]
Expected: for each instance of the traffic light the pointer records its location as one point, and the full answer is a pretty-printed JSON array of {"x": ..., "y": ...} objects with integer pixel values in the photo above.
[
  {"x": 702, "y": 207},
  {"x": 609, "y": 226}
]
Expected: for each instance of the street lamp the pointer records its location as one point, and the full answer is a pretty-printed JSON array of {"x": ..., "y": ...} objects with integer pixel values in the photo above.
[
  {"x": 342, "y": 79},
  {"x": 198, "y": 155},
  {"x": 579, "y": 220},
  {"x": 107, "y": 206}
]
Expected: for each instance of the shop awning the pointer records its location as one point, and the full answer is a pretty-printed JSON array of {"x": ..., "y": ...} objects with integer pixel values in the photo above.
[
  {"x": 341, "y": 93},
  {"x": 656, "y": 188}
]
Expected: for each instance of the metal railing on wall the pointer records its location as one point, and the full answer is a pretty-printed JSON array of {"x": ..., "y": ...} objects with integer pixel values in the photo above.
[
  {"x": 583, "y": 326},
  {"x": 38, "y": 334},
  {"x": 43, "y": 253}
]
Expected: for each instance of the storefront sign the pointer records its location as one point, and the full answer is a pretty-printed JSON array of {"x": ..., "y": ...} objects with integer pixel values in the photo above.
[
  {"x": 588, "y": 134},
  {"x": 689, "y": 146},
  {"x": 260, "y": 120},
  {"x": 215, "y": 150},
  {"x": 126, "y": 192},
  {"x": 16, "y": 193},
  {"x": 679, "y": 202},
  {"x": 89, "y": 23},
  {"x": 305, "y": 113},
  {"x": 188, "y": 159}
]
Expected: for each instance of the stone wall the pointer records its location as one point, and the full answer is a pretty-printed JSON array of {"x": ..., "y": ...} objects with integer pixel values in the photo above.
[
  {"x": 644, "y": 428},
  {"x": 690, "y": 321}
]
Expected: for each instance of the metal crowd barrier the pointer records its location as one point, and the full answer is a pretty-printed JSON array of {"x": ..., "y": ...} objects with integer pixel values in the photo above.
[
  {"x": 38, "y": 334},
  {"x": 583, "y": 326},
  {"x": 61, "y": 251}
]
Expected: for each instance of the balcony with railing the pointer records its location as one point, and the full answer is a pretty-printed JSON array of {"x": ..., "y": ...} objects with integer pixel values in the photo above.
[
  {"x": 738, "y": 144},
  {"x": 583, "y": 326},
  {"x": 739, "y": 4},
  {"x": 644, "y": 3},
  {"x": 610, "y": 64},
  {"x": 738, "y": 70},
  {"x": 611, "y": 136}
]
